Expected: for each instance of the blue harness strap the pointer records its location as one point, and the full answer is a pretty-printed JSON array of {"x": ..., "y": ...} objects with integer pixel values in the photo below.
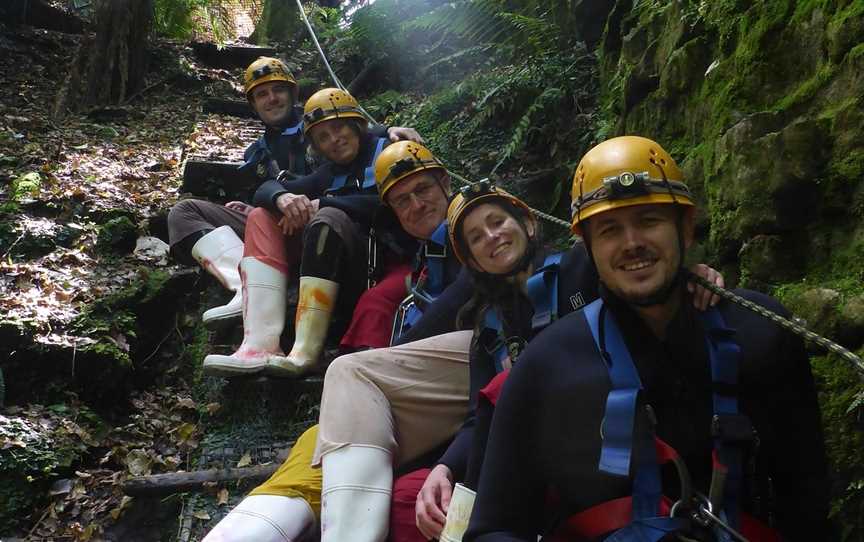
[
  {"x": 620, "y": 410},
  {"x": 435, "y": 252},
  {"x": 724, "y": 352},
  {"x": 434, "y": 282},
  {"x": 368, "y": 173},
  {"x": 619, "y": 425},
  {"x": 261, "y": 149},
  {"x": 542, "y": 290}
]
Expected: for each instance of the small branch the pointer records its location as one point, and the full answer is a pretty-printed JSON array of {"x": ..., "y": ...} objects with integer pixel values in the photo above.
[{"x": 176, "y": 482}]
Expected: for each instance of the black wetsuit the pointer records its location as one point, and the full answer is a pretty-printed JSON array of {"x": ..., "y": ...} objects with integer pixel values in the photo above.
[{"x": 546, "y": 432}]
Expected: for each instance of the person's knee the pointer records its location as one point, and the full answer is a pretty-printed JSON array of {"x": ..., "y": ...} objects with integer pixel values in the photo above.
[
  {"x": 259, "y": 215},
  {"x": 183, "y": 210},
  {"x": 331, "y": 216},
  {"x": 345, "y": 367}
]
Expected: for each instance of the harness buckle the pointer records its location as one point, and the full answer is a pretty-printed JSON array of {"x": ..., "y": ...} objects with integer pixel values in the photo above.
[
  {"x": 732, "y": 428},
  {"x": 700, "y": 511},
  {"x": 439, "y": 251}
]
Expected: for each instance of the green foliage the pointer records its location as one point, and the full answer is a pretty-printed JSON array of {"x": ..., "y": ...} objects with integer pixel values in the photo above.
[
  {"x": 182, "y": 19},
  {"x": 844, "y": 440}
]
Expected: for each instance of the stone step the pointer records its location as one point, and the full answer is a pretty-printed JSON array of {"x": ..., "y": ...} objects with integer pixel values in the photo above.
[
  {"x": 234, "y": 108},
  {"x": 229, "y": 56},
  {"x": 218, "y": 181}
]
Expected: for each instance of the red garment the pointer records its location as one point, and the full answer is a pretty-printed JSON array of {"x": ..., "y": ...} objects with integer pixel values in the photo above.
[
  {"x": 265, "y": 241},
  {"x": 493, "y": 388},
  {"x": 403, "y": 523},
  {"x": 372, "y": 321}
]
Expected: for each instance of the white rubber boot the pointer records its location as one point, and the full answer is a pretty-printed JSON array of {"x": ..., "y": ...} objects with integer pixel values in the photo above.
[
  {"x": 355, "y": 497},
  {"x": 263, "y": 322},
  {"x": 314, "y": 308},
  {"x": 219, "y": 253},
  {"x": 266, "y": 518}
]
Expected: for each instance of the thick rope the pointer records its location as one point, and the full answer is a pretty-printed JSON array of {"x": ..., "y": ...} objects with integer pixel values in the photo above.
[
  {"x": 545, "y": 216},
  {"x": 785, "y": 323}
]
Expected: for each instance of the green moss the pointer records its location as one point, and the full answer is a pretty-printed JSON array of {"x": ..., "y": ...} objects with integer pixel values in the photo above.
[
  {"x": 838, "y": 384},
  {"x": 117, "y": 234},
  {"x": 850, "y": 167},
  {"x": 855, "y": 52},
  {"x": 808, "y": 89}
]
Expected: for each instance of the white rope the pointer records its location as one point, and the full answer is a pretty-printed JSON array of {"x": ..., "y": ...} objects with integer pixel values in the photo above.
[
  {"x": 336, "y": 80},
  {"x": 318, "y": 46}
]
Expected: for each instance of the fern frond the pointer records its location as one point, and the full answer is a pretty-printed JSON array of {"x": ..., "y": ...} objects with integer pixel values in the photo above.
[{"x": 525, "y": 124}]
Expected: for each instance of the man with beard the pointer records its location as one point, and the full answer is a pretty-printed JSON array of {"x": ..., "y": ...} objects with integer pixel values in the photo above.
[
  {"x": 211, "y": 234},
  {"x": 605, "y": 395}
]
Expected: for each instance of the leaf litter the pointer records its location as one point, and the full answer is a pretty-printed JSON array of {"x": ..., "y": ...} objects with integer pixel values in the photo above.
[{"x": 59, "y": 179}]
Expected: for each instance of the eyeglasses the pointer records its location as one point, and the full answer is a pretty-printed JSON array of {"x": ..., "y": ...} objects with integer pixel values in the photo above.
[{"x": 424, "y": 191}]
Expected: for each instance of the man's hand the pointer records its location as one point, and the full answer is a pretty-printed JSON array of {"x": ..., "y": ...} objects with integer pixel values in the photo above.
[
  {"x": 433, "y": 501},
  {"x": 703, "y": 298},
  {"x": 240, "y": 207},
  {"x": 397, "y": 133}
]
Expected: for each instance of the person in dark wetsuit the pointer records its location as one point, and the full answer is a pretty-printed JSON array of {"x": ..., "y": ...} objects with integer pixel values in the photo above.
[
  {"x": 546, "y": 470},
  {"x": 324, "y": 217},
  {"x": 484, "y": 225},
  {"x": 210, "y": 234}
]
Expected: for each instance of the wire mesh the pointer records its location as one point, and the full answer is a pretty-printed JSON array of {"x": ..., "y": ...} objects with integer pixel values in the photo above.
[{"x": 260, "y": 419}]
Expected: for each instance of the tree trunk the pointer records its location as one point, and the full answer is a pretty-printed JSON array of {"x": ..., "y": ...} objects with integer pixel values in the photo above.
[
  {"x": 280, "y": 22},
  {"x": 111, "y": 65}
]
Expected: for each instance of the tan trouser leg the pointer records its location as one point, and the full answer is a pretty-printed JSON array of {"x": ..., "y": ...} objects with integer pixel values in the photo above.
[{"x": 406, "y": 399}]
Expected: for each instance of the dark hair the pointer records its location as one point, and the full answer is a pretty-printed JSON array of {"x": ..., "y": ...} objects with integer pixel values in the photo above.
[{"x": 495, "y": 291}]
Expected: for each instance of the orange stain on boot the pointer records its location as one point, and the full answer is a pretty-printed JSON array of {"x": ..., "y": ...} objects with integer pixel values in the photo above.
[{"x": 321, "y": 297}]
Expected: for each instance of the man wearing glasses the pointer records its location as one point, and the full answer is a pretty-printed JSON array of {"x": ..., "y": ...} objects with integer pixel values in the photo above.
[{"x": 211, "y": 234}]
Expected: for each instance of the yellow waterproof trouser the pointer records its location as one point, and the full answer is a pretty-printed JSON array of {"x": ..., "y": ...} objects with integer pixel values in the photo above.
[{"x": 297, "y": 477}]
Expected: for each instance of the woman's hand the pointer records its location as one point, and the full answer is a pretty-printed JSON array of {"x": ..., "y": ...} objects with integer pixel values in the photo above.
[
  {"x": 703, "y": 298},
  {"x": 298, "y": 211},
  {"x": 433, "y": 500},
  {"x": 240, "y": 207}
]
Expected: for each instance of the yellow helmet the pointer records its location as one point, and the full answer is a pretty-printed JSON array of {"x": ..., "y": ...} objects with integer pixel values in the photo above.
[
  {"x": 330, "y": 103},
  {"x": 625, "y": 171},
  {"x": 470, "y": 196},
  {"x": 400, "y": 160},
  {"x": 264, "y": 70}
]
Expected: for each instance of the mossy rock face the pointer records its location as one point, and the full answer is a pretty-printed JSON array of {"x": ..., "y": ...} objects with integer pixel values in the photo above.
[
  {"x": 763, "y": 180},
  {"x": 768, "y": 258}
]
